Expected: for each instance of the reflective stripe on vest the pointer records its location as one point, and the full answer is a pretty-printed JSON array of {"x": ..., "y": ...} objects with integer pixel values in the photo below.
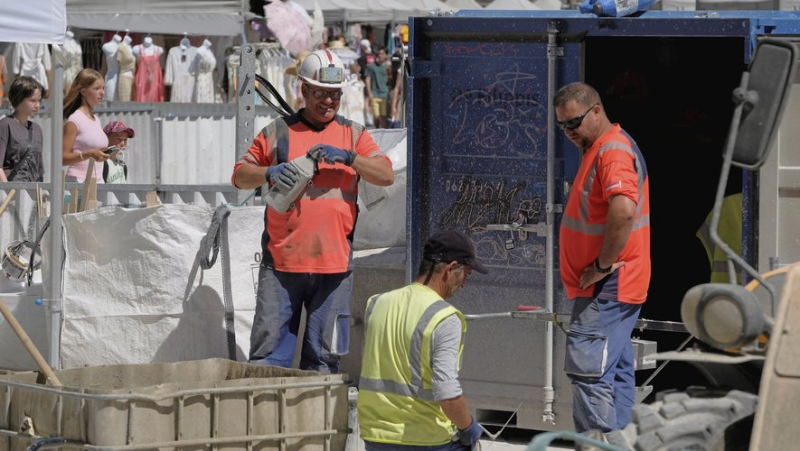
[
  {"x": 416, "y": 388},
  {"x": 582, "y": 224},
  {"x": 395, "y": 401}
]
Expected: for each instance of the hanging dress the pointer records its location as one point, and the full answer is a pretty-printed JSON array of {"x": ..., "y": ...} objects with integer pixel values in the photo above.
[
  {"x": 127, "y": 64},
  {"x": 205, "y": 75},
  {"x": 181, "y": 74},
  {"x": 148, "y": 82},
  {"x": 74, "y": 55},
  {"x": 32, "y": 60}
]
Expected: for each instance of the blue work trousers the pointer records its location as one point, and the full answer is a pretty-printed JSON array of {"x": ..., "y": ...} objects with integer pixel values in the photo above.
[
  {"x": 377, "y": 446},
  {"x": 599, "y": 362},
  {"x": 279, "y": 302}
]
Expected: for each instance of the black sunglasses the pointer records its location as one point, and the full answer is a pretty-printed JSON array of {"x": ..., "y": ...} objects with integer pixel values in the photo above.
[{"x": 575, "y": 122}]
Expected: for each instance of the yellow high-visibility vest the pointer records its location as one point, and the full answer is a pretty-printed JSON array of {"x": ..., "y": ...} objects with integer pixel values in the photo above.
[
  {"x": 730, "y": 230},
  {"x": 395, "y": 399}
]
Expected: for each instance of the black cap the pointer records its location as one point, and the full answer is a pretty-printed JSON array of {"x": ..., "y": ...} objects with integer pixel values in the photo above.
[{"x": 450, "y": 245}]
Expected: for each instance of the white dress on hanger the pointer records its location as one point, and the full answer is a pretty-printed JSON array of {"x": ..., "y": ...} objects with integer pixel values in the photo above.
[
  {"x": 74, "y": 56},
  {"x": 32, "y": 60},
  {"x": 181, "y": 73},
  {"x": 205, "y": 74},
  {"x": 352, "y": 106}
]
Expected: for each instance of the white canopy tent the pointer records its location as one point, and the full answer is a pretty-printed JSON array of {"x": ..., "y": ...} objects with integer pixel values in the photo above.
[
  {"x": 37, "y": 21},
  {"x": 423, "y": 7},
  {"x": 196, "y": 17},
  {"x": 332, "y": 10},
  {"x": 381, "y": 11},
  {"x": 463, "y": 4}
]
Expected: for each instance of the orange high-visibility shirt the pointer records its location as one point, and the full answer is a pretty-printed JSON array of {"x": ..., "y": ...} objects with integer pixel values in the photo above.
[
  {"x": 614, "y": 165},
  {"x": 316, "y": 235}
]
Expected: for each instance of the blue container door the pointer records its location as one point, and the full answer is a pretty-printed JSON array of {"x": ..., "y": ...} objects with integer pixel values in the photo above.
[{"x": 479, "y": 162}]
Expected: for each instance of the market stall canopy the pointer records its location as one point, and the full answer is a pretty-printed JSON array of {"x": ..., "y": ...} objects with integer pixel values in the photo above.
[
  {"x": 36, "y": 21},
  {"x": 333, "y": 10},
  {"x": 196, "y": 17},
  {"x": 381, "y": 11},
  {"x": 423, "y": 7},
  {"x": 463, "y": 4}
]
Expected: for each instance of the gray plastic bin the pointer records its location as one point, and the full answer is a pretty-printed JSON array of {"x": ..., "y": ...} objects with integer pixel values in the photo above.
[{"x": 186, "y": 405}]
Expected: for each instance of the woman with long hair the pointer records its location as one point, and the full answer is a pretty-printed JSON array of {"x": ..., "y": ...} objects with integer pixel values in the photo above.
[
  {"x": 83, "y": 133},
  {"x": 20, "y": 139}
]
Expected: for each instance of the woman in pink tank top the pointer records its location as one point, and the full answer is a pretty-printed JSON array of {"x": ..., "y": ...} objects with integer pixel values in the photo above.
[{"x": 83, "y": 134}]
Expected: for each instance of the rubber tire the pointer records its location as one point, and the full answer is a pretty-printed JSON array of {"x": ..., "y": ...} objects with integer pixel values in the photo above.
[{"x": 697, "y": 419}]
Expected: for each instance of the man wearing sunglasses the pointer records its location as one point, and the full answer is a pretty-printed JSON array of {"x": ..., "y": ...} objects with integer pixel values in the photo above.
[
  {"x": 605, "y": 259},
  {"x": 307, "y": 251}
]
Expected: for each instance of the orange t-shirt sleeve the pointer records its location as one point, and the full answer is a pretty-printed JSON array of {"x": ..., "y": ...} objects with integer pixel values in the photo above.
[
  {"x": 259, "y": 151},
  {"x": 617, "y": 175}
]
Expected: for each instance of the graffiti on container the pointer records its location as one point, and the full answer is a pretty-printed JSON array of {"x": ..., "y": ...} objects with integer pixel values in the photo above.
[
  {"x": 492, "y": 250},
  {"x": 507, "y": 115},
  {"x": 480, "y": 49},
  {"x": 479, "y": 203}
]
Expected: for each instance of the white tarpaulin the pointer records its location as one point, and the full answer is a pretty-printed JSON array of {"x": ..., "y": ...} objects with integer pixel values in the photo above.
[
  {"x": 134, "y": 291},
  {"x": 382, "y": 216},
  {"x": 196, "y": 17},
  {"x": 39, "y": 21}
]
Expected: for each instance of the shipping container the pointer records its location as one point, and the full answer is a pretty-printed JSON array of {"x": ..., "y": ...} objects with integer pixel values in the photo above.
[{"x": 485, "y": 158}]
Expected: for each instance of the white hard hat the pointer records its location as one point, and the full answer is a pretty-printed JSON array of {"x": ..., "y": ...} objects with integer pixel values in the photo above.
[{"x": 323, "y": 69}]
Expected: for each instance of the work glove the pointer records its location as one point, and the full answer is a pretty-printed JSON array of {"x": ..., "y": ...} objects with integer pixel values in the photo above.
[
  {"x": 283, "y": 175},
  {"x": 470, "y": 435},
  {"x": 331, "y": 154}
]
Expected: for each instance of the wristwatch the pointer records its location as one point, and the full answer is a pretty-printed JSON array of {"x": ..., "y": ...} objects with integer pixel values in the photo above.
[{"x": 600, "y": 270}]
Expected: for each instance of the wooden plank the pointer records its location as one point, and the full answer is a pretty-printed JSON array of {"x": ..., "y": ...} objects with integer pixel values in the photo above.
[
  {"x": 91, "y": 201},
  {"x": 73, "y": 203},
  {"x": 152, "y": 199},
  {"x": 87, "y": 183}
]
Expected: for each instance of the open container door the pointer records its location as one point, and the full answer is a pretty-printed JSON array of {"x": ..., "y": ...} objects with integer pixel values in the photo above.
[{"x": 478, "y": 145}]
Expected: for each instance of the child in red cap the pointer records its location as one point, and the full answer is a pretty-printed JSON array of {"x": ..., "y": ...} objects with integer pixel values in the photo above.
[{"x": 114, "y": 169}]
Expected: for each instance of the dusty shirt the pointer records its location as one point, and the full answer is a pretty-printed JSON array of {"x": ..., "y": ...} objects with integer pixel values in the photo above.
[{"x": 13, "y": 142}]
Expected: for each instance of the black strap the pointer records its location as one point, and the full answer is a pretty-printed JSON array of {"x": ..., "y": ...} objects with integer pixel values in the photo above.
[{"x": 24, "y": 155}]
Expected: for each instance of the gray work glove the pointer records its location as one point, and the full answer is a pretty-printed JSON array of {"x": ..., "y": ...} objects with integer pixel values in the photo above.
[{"x": 331, "y": 154}]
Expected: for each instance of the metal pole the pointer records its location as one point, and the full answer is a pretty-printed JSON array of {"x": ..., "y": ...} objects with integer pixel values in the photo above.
[
  {"x": 548, "y": 392},
  {"x": 245, "y": 104},
  {"x": 56, "y": 200}
]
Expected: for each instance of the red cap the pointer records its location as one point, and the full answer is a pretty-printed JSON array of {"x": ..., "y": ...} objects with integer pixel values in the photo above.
[{"x": 118, "y": 126}]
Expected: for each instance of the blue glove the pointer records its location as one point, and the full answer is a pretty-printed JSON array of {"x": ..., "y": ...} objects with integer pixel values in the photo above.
[
  {"x": 470, "y": 435},
  {"x": 331, "y": 154},
  {"x": 283, "y": 175}
]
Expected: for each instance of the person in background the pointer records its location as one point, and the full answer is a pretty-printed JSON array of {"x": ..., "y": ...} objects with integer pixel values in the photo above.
[
  {"x": 366, "y": 59},
  {"x": 395, "y": 83},
  {"x": 409, "y": 395},
  {"x": 605, "y": 260},
  {"x": 20, "y": 138},
  {"x": 308, "y": 250},
  {"x": 377, "y": 89},
  {"x": 114, "y": 169},
  {"x": 83, "y": 134}
]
